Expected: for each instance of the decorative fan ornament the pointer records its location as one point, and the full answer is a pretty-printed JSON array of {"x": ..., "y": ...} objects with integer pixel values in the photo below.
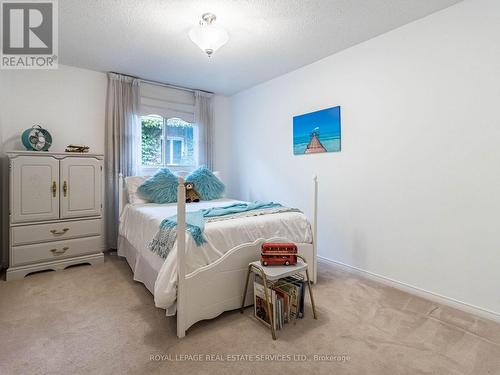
[{"x": 36, "y": 139}]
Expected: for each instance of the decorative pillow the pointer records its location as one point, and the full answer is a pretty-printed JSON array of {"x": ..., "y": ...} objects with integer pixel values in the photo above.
[
  {"x": 160, "y": 188},
  {"x": 206, "y": 184},
  {"x": 133, "y": 183}
]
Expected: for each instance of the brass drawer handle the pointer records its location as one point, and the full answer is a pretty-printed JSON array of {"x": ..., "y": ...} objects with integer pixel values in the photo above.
[
  {"x": 59, "y": 252},
  {"x": 65, "y": 188},
  {"x": 55, "y": 232},
  {"x": 54, "y": 189}
]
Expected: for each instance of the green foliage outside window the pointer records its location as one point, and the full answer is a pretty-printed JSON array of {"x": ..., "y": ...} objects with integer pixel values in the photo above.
[{"x": 152, "y": 131}]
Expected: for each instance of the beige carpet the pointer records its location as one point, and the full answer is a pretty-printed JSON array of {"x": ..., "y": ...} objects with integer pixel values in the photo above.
[{"x": 96, "y": 320}]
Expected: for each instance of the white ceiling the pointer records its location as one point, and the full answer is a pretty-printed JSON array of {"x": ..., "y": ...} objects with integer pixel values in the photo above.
[{"x": 148, "y": 38}]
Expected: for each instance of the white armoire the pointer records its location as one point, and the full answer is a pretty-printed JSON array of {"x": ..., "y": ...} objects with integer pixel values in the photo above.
[{"x": 55, "y": 211}]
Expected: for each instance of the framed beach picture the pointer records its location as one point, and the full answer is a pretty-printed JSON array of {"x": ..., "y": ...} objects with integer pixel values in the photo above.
[{"x": 317, "y": 132}]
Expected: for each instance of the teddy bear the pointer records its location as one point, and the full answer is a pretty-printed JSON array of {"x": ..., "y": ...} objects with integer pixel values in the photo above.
[{"x": 191, "y": 193}]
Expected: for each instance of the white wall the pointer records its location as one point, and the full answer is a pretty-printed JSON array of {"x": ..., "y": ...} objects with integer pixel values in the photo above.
[
  {"x": 414, "y": 194},
  {"x": 69, "y": 102}
]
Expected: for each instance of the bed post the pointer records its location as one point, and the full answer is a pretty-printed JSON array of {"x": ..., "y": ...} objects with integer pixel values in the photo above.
[
  {"x": 315, "y": 227},
  {"x": 181, "y": 255}
]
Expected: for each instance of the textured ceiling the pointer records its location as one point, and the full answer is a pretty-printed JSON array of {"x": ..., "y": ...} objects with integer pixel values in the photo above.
[{"x": 148, "y": 38}]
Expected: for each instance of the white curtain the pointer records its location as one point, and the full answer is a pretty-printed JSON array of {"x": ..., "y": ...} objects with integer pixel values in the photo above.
[
  {"x": 203, "y": 118},
  {"x": 122, "y": 141}
]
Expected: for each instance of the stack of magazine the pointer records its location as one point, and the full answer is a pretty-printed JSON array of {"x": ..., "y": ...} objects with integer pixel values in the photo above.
[{"x": 286, "y": 299}]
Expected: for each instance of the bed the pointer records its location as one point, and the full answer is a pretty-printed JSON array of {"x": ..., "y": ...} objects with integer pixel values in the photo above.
[{"x": 198, "y": 283}]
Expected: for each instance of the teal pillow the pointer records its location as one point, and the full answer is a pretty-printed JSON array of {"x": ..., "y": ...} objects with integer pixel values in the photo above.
[
  {"x": 206, "y": 184},
  {"x": 160, "y": 188}
]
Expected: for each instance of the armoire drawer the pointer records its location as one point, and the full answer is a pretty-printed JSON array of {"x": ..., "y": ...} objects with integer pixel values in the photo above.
[
  {"x": 55, "y": 250},
  {"x": 33, "y": 234}
]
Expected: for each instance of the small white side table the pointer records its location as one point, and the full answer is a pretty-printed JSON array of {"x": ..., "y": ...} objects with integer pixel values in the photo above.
[{"x": 271, "y": 274}]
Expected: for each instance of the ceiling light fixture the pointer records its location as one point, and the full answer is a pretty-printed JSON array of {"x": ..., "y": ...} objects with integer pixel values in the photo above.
[{"x": 208, "y": 36}]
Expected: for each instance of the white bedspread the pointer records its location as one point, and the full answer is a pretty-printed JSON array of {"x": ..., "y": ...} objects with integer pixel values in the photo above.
[{"x": 139, "y": 223}]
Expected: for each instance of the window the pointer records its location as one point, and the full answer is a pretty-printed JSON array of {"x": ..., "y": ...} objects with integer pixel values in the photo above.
[{"x": 167, "y": 142}]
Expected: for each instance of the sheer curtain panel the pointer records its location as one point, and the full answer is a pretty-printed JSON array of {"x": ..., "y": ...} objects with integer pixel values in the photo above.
[
  {"x": 122, "y": 142},
  {"x": 203, "y": 117}
]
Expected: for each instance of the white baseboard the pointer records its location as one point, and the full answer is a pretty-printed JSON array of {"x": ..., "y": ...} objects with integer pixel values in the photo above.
[{"x": 443, "y": 300}]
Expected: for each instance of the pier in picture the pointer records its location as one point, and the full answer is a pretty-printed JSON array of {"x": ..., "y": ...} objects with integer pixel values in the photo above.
[{"x": 317, "y": 132}]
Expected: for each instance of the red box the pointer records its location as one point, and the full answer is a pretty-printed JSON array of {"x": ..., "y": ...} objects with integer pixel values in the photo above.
[{"x": 278, "y": 254}]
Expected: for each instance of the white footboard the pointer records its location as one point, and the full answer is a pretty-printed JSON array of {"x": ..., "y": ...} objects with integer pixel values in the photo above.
[{"x": 218, "y": 287}]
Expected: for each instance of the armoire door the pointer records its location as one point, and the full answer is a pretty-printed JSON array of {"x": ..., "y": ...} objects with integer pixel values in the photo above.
[
  {"x": 34, "y": 188},
  {"x": 80, "y": 187}
]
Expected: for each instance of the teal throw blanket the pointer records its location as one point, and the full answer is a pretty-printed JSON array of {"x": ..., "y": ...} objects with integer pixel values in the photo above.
[
  {"x": 164, "y": 240},
  {"x": 195, "y": 221}
]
